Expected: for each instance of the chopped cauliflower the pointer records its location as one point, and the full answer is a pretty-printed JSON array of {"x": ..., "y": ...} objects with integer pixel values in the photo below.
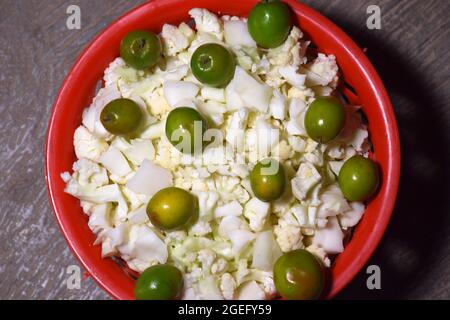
[
  {"x": 87, "y": 145},
  {"x": 207, "y": 22},
  {"x": 229, "y": 247},
  {"x": 227, "y": 286},
  {"x": 256, "y": 211}
]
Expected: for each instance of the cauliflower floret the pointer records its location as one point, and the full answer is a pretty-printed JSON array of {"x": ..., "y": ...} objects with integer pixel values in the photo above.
[
  {"x": 251, "y": 291},
  {"x": 219, "y": 266},
  {"x": 206, "y": 258},
  {"x": 351, "y": 217},
  {"x": 277, "y": 106},
  {"x": 232, "y": 208},
  {"x": 307, "y": 177},
  {"x": 206, "y": 21},
  {"x": 143, "y": 247},
  {"x": 329, "y": 238},
  {"x": 236, "y": 33},
  {"x": 157, "y": 103},
  {"x": 288, "y": 235},
  {"x": 288, "y": 52},
  {"x": 227, "y": 286},
  {"x": 176, "y": 39},
  {"x": 333, "y": 202},
  {"x": 256, "y": 211},
  {"x": 111, "y": 74},
  {"x": 200, "y": 228},
  {"x": 87, "y": 172},
  {"x": 319, "y": 253},
  {"x": 290, "y": 74},
  {"x": 115, "y": 162},
  {"x": 207, "y": 201},
  {"x": 99, "y": 218},
  {"x": 282, "y": 151},
  {"x": 87, "y": 145},
  {"x": 149, "y": 179},
  {"x": 236, "y": 129},
  {"x": 323, "y": 71},
  {"x": 179, "y": 91}
]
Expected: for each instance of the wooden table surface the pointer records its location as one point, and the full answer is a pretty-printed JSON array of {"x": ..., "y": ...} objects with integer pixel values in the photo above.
[{"x": 411, "y": 52}]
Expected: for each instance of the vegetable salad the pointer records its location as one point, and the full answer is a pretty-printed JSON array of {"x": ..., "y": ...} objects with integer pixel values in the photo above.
[{"x": 226, "y": 228}]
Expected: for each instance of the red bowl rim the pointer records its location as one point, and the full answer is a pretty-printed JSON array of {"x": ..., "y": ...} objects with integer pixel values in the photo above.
[{"x": 376, "y": 84}]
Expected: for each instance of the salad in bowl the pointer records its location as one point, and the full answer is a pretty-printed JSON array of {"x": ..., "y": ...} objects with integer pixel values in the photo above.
[{"x": 220, "y": 161}]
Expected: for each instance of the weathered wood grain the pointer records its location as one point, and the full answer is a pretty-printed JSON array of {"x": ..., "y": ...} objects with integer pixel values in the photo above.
[{"x": 411, "y": 52}]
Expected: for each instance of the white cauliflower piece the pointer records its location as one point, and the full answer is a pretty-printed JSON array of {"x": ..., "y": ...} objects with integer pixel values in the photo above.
[
  {"x": 230, "y": 223},
  {"x": 210, "y": 93},
  {"x": 351, "y": 217},
  {"x": 298, "y": 144},
  {"x": 323, "y": 71},
  {"x": 320, "y": 254},
  {"x": 206, "y": 258},
  {"x": 236, "y": 33},
  {"x": 266, "y": 251},
  {"x": 333, "y": 202},
  {"x": 154, "y": 131},
  {"x": 144, "y": 246},
  {"x": 288, "y": 235},
  {"x": 306, "y": 178},
  {"x": 251, "y": 92},
  {"x": 87, "y": 145},
  {"x": 207, "y": 201},
  {"x": 330, "y": 238},
  {"x": 288, "y": 52},
  {"x": 115, "y": 162},
  {"x": 177, "y": 91},
  {"x": 200, "y": 228},
  {"x": 251, "y": 291},
  {"x": 236, "y": 129},
  {"x": 174, "y": 40},
  {"x": 149, "y": 179},
  {"x": 256, "y": 211},
  {"x": 290, "y": 74},
  {"x": 157, "y": 103},
  {"x": 232, "y": 208},
  {"x": 277, "y": 105},
  {"x": 240, "y": 239},
  {"x": 112, "y": 74},
  {"x": 207, "y": 22},
  {"x": 227, "y": 286},
  {"x": 219, "y": 266},
  {"x": 139, "y": 150},
  {"x": 99, "y": 218},
  {"x": 138, "y": 216}
]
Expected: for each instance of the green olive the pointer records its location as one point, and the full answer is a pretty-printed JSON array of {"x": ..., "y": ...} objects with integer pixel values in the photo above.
[
  {"x": 121, "y": 116},
  {"x": 213, "y": 64},
  {"x": 185, "y": 128},
  {"x": 358, "y": 178},
  {"x": 324, "y": 119},
  {"x": 140, "y": 49},
  {"x": 298, "y": 275},
  {"x": 268, "y": 180},
  {"x": 269, "y": 23},
  {"x": 159, "y": 282},
  {"x": 172, "y": 208}
]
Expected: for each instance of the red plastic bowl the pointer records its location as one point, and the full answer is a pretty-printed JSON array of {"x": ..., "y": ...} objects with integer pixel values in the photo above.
[{"x": 79, "y": 87}]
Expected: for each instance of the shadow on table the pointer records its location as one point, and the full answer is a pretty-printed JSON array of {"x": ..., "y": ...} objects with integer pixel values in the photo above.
[{"x": 413, "y": 239}]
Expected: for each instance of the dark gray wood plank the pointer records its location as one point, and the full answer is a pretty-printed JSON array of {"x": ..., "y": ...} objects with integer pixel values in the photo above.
[{"x": 411, "y": 53}]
